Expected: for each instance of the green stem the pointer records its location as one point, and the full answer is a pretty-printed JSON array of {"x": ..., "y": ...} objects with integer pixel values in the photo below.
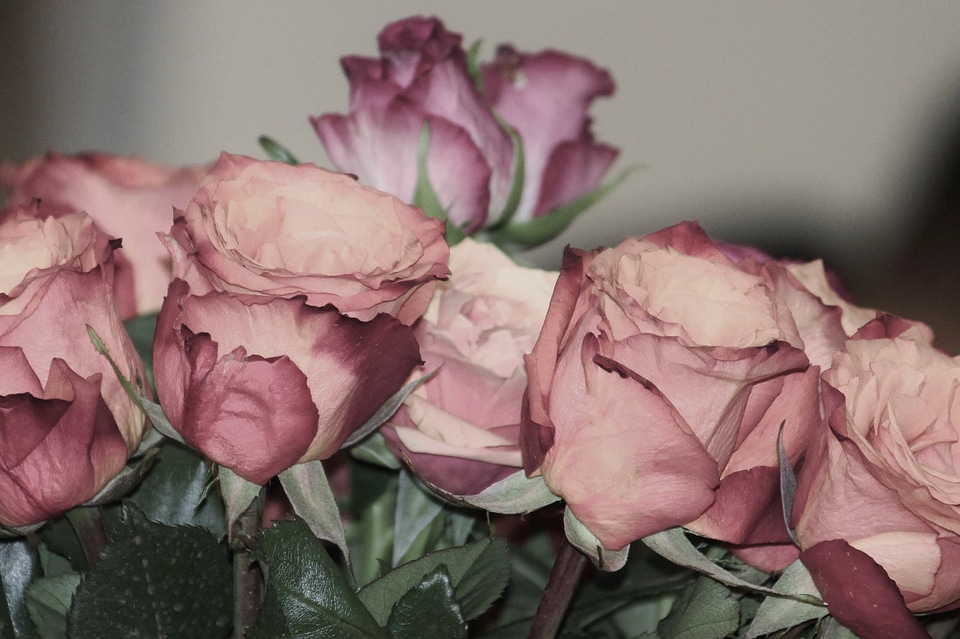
[
  {"x": 91, "y": 529},
  {"x": 246, "y": 572},
  {"x": 563, "y": 582}
]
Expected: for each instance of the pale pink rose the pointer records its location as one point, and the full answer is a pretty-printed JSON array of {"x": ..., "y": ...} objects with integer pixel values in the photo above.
[
  {"x": 68, "y": 426},
  {"x": 658, "y": 384},
  {"x": 268, "y": 228},
  {"x": 460, "y": 430},
  {"x": 288, "y": 329},
  {"x": 422, "y": 77},
  {"x": 128, "y": 197},
  {"x": 882, "y": 474}
]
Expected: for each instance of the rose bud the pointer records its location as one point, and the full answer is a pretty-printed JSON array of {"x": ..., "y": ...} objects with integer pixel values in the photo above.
[
  {"x": 658, "y": 384},
  {"x": 286, "y": 328},
  {"x": 66, "y": 424},
  {"x": 129, "y": 198},
  {"x": 460, "y": 430},
  {"x": 881, "y": 474},
  {"x": 423, "y": 78}
]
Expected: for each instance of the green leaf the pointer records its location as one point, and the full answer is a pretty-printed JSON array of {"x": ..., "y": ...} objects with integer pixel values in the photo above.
[
  {"x": 544, "y": 228},
  {"x": 788, "y": 484},
  {"x": 415, "y": 512},
  {"x": 19, "y": 565},
  {"x": 478, "y": 571},
  {"x": 48, "y": 602},
  {"x": 307, "y": 596},
  {"x": 777, "y": 613},
  {"x": 174, "y": 491},
  {"x": 141, "y": 330},
  {"x": 156, "y": 581},
  {"x": 515, "y": 494},
  {"x": 387, "y": 410},
  {"x": 373, "y": 450},
  {"x": 237, "y": 493},
  {"x": 373, "y": 504},
  {"x": 473, "y": 64},
  {"x": 583, "y": 539},
  {"x": 673, "y": 545},
  {"x": 832, "y": 629},
  {"x": 275, "y": 151},
  {"x": 309, "y": 493},
  {"x": 151, "y": 409},
  {"x": 706, "y": 610},
  {"x": 428, "y": 610},
  {"x": 124, "y": 481}
]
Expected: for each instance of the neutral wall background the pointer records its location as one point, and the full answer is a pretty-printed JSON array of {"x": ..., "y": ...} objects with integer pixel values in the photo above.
[{"x": 810, "y": 128}]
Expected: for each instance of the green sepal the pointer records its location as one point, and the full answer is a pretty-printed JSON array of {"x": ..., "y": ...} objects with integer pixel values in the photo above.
[
  {"x": 309, "y": 493},
  {"x": 275, "y": 151},
  {"x": 424, "y": 195},
  {"x": 473, "y": 65},
  {"x": 542, "y": 229}
]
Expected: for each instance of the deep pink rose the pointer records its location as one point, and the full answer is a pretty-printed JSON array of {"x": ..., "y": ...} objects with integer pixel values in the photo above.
[
  {"x": 658, "y": 384},
  {"x": 128, "y": 197},
  {"x": 288, "y": 329},
  {"x": 422, "y": 77},
  {"x": 268, "y": 228},
  {"x": 66, "y": 425},
  {"x": 460, "y": 431},
  {"x": 881, "y": 475}
]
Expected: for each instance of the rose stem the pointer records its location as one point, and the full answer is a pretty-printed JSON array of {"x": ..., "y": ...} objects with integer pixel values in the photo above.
[
  {"x": 563, "y": 581},
  {"x": 91, "y": 529},
  {"x": 246, "y": 574}
]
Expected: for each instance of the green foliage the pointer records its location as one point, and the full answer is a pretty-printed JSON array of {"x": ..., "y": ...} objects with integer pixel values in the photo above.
[
  {"x": 705, "y": 610},
  {"x": 48, "y": 602},
  {"x": 428, "y": 610},
  {"x": 156, "y": 580},
  {"x": 19, "y": 565}
]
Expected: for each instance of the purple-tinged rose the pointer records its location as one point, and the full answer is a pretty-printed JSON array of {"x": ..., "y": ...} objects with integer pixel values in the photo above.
[
  {"x": 658, "y": 384},
  {"x": 460, "y": 430},
  {"x": 422, "y": 77},
  {"x": 66, "y": 424},
  {"x": 128, "y": 197},
  {"x": 289, "y": 327}
]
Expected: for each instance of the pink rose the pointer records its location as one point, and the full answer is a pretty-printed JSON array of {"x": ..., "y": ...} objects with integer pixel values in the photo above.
[
  {"x": 882, "y": 476},
  {"x": 67, "y": 426},
  {"x": 288, "y": 328},
  {"x": 268, "y": 228},
  {"x": 658, "y": 384},
  {"x": 129, "y": 198},
  {"x": 460, "y": 430},
  {"x": 423, "y": 77}
]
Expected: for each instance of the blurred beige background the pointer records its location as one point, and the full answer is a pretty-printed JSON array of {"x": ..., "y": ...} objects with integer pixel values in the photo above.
[{"x": 810, "y": 128}]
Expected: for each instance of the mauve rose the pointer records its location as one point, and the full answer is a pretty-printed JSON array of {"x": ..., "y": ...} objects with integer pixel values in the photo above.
[
  {"x": 268, "y": 228},
  {"x": 66, "y": 424},
  {"x": 422, "y": 76},
  {"x": 658, "y": 384},
  {"x": 460, "y": 430},
  {"x": 257, "y": 363},
  {"x": 882, "y": 474},
  {"x": 128, "y": 197}
]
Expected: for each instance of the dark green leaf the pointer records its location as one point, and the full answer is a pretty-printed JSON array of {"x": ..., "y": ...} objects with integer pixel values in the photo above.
[
  {"x": 478, "y": 571},
  {"x": 428, "y": 611},
  {"x": 307, "y": 596},
  {"x": 48, "y": 601},
  {"x": 275, "y": 151},
  {"x": 706, "y": 610},
  {"x": 19, "y": 565},
  {"x": 156, "y": 581},
  {"x": 172, "y": 493}
]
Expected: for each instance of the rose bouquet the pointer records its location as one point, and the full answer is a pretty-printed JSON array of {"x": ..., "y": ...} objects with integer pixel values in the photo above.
[{"x": 259, "y": 398}]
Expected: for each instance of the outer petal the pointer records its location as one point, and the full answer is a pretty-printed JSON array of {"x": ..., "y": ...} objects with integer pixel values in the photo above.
[
  {"x": 57, "y": 451},
  {"x": 616, "y": 463},
  {"x": 545, "y": 97},
  {"x": 573, "y": 170},
  {"x": 252, "y": 415}
]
